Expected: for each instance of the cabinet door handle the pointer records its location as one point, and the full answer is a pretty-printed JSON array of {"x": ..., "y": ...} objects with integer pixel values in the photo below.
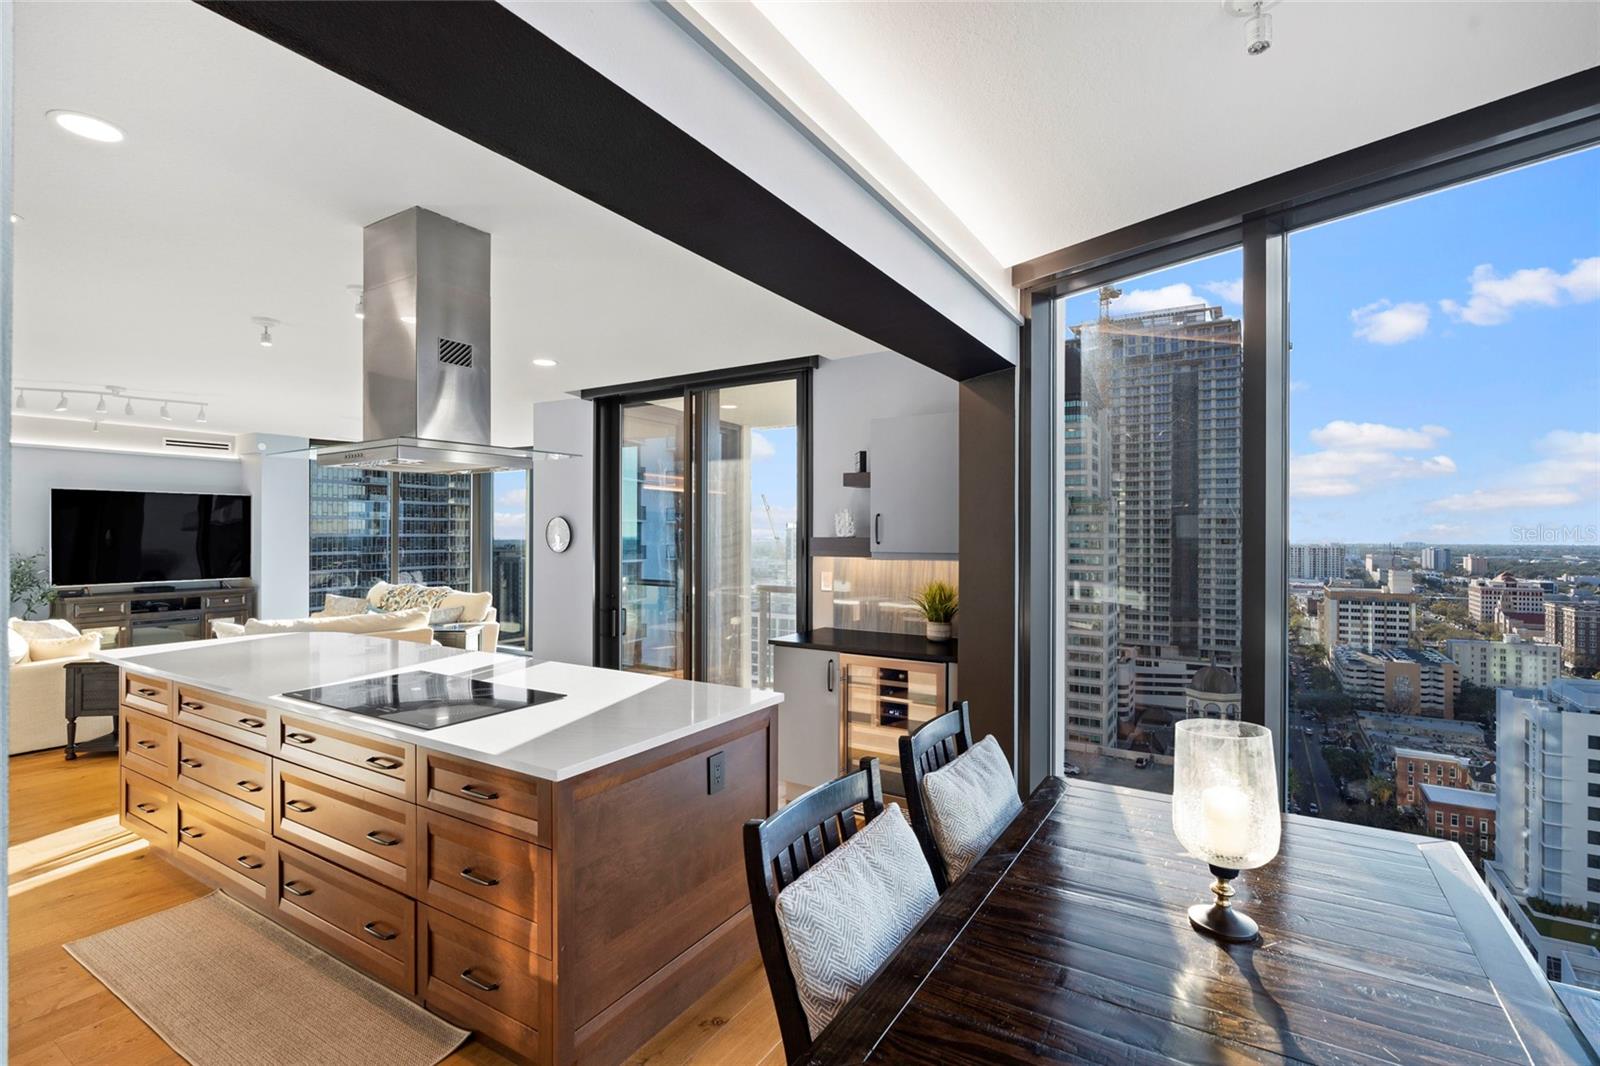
[
  {"x": 193, "y": 764},
  {"x": 300, "y": 805},
  {"x": 247, "y": 786},
  {"x": 248, "y": 863},
  {"x": 833, "y": 667},
  {"x": 149, "y": 744},
  {"x": 289, "y": 887},
  {"x": 192, "y": 705},
  {"x": 148, "y": 691},
  {"x": 383, "y": 762},
  {"x": 300, "y": 738},
  {"x": 191, "y": 832},
  {"x": 478, "y": 793},
  {"x": 486, "y": 882},
  {"x": 877, "y": 528},
  {"x": 252, "y": 723},
  {"x": 379, "y": 837},
  {"x": 481, "y": 986},
  {"x": 372, "y": 930},
  {"x": 148, "y": 808}
]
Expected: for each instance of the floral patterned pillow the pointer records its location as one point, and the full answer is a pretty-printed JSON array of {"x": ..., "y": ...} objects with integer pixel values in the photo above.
[{"x": 408, "y": 597}]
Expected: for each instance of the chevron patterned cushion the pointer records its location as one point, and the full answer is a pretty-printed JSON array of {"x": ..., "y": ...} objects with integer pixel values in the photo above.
[
  {"x": 969, "y": 801},
  {"x": 849, "y": 912}
]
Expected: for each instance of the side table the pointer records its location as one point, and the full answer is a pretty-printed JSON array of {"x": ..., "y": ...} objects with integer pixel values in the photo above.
[
  {"x": 467, "y": 636},
  {"x": 91, "y": 693}
]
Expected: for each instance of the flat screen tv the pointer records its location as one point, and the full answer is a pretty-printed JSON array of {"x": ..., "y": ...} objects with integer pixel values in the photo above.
[{"x": 100, "y": 537}]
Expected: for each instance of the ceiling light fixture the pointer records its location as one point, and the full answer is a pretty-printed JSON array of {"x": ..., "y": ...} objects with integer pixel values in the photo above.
[
  {"x": 361, "y": 299},
  {"x": 100, "y": 406},
  {"x": 201, "y": 417},
  {"x": 16, "y": 218},
  {"x": 1257, "y": 23},
  {"x": 544, "y": 363},
  {"x": 86, "y": 126},
  {"x": 22, "y": 402},
  {"x": 266, "y": 325},
  {"x": 103, "y": 399},
  {"x": 166, "y": 415},
  {"x": 61, "y": 404},
  {"x": 127, "y": 408}
]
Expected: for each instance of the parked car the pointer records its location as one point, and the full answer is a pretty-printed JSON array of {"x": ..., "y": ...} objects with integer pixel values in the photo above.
[
  {"x": 1141, "y": 762},
  {"x": 1313, "y": 808},
  {"x": 1071, "y": 770}
]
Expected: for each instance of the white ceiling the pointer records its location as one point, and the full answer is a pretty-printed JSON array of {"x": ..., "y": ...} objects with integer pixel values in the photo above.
[
  {"x": 1038, "y": 125},
  {"x": 241, "y": 190}
]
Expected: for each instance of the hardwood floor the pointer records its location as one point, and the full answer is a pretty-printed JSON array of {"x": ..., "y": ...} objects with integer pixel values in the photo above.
[{"x": 75, "y": 871}]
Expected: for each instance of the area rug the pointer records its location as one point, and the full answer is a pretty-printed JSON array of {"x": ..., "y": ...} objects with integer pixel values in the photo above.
[{"x": 226, "y": 987}]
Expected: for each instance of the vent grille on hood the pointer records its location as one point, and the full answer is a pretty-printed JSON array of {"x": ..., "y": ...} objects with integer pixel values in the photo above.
[{"x": 455, "y": 353}]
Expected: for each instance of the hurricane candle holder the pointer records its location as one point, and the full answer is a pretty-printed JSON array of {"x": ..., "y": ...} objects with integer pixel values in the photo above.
[{"x": 1225, "y": 811}]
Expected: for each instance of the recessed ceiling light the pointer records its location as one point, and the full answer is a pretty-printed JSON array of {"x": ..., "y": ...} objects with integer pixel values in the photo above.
[
  {"x": 544, "y": 362},
  {"x": 86, "y": 126}
]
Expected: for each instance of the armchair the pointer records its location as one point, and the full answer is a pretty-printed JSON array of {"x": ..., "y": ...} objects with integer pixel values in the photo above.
[{"x": 39, "y": 688}]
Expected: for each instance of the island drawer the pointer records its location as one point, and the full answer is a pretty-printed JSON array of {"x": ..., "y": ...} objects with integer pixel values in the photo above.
[
  {"x": 223, "y": 717},
  {"x": 375, "y": 762},
  {"x": 233, "y": 779},
  {"x": 361, "y": 830},
  {"x": 487, "y": 796},
  {"x": 147, "y": 693},
  {"x": 227, "y": 852},
  {"x": 481, "y": 982},
  {"x": 149, "y": 745},
  {"x": 366, "y": 925},
  {"x": 495, "y": 882},
  {"x": 147, "y": 808}
]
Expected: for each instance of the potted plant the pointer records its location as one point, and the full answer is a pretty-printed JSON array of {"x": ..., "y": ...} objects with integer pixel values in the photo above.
[
  {"x": 30, "y": 589},
  {"x": 938, "y": 602}
]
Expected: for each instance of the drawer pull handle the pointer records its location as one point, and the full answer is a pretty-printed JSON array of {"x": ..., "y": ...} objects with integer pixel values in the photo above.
[
  {"x": 193, "y": 764},
  {"x": 378, "y": 836},
  {"x": 300, "y": 738},
  {"x": 192, "y": 705},
  {"x": 148, "y": 808},
  {"x": 478, "y": 793},
  {"x": 191, "y": 832},
  {"x": 248, "y": 863},
  {"x": 481, "y": 986},
  {"x": 149, "y": 744},
  {"x": 252, "y": 723},
  {"x": 148, "y": 691},
  {"x": 486, "y": 882},
  {"x": 372, "y": 930},
  {"x": 383, "y": 762},
  {"x": 247, "y": 786},
  {"x": 291, "y": 888},
  {"x": 300, "y": 805}
]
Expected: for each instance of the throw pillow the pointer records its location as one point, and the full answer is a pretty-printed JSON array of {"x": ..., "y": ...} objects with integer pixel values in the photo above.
[
  {"x": 226, "y": 629},
  {"x": 445, "y": 616},
  {"x": 44, "y": 628},
  {"x": 64, "y": 647},
  {"x": 16, "y": 646},
  {"x": 407, "y": 597},
  {"x": 475, "y": 606},
  {"x": 969, "y": 801},
  {"x": 338, "y": 606},
  {"x": 847, "y": 914}
]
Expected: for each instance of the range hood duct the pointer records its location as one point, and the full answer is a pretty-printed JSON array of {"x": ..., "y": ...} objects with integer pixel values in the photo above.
[{"x": 425, "y": 352}]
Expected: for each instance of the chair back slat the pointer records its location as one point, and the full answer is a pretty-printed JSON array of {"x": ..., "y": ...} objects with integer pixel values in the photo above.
[
  {"x": 777, "y": 852},
  {"x": 933, "y": 746}
]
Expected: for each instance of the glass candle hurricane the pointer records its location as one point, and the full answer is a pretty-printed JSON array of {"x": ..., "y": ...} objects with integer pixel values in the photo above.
[{"x": 1225, "y": 811}]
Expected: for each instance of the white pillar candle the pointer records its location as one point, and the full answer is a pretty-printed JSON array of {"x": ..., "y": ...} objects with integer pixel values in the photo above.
[{"x": 1225, "y": 814}]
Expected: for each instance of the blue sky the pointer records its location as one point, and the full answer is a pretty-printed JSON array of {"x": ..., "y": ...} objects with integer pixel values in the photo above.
[{"x": 1445, "y": 377}]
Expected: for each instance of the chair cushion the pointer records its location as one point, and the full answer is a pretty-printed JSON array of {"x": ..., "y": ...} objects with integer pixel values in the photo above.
[
  {"x": 339, "y": 606},
  {"x": 969, "y": 801},
  {"x": 223, "y": 630},
  {"x": 847, "y": 914},
  {"x": 44, "y": 628},
  {"x": 63, "y": 647}
]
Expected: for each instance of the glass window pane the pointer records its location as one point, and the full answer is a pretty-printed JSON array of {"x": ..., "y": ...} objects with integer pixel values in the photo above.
[
  {"x": 508, "y": 564},
  {"x": 1152, "y": 383},
  {"x": 651, "y": 504},
  {"x": 435, "y": 516},
  {"x": 349, "y": 531}
]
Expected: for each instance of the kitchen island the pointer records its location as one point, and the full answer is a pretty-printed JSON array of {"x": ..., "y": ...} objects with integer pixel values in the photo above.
[{"x": 561, "y": 872}]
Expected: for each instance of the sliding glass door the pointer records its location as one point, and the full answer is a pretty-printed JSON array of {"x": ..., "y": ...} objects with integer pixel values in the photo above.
[{"x": 705, "y": 502}]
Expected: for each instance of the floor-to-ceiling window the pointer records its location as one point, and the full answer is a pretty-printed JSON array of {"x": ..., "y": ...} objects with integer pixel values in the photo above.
[{"x": 508, "y": 553}]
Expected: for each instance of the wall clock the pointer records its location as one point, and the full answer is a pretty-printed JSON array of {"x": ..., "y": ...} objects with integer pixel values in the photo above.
[{"x": 558, "y": 534}]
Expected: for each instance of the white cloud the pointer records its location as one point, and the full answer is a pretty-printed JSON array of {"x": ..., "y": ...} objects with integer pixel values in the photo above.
[
  {"x": 510, "y": 525},
  {"x": 1493, "y": 298},
  {"x": 1384, "y": 322},
  {"x": 517, "y": 497},
  {"x": 1299, "y": 386},
  {"x": 1503, "y": 499},
  {"x": 1227, "y": 291},
  {"x": 1137, "y": 301},
  {"x": 1568, "y": 473},
  {"x": 1356, "y": 456},
  {"x": 760, "y": 447}
]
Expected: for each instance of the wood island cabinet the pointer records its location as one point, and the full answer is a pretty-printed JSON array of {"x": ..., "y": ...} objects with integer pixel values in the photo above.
[{"x": 565, "y": 921}]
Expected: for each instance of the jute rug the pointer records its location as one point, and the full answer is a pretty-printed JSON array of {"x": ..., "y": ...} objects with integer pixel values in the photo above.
[{"x": 226, "y": 987}]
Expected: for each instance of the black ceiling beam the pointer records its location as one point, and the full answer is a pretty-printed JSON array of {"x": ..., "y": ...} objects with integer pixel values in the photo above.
[{"x": 481, "y": 71}]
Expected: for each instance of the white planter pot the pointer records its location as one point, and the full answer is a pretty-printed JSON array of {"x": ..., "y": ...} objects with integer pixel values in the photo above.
[{"x": 938, "y": 630}]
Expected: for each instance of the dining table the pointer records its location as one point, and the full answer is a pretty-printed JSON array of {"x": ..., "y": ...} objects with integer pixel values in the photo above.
[{"x": 1069, "y": 941}]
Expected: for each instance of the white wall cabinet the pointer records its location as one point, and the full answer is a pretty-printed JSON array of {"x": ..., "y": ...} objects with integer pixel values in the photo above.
[
  {"x": 809, "y": 720},
  {"x": 915, "y": 501}
]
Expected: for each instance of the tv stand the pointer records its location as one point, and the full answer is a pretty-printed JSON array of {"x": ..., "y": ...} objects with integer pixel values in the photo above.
[{"x": 135, "y": 616}]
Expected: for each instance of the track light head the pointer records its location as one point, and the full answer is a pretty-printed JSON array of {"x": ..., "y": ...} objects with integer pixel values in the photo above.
[
  {"x": 22, "y": 402},
  {"x": 127, "y": 408},
  {"x": 100, "y": 406},
  {"x": 201, "y": 417},
  {"x": 61, "y": 404},
  {"x": 166, "y": 415},
  {"x": 266, "y": 324}
]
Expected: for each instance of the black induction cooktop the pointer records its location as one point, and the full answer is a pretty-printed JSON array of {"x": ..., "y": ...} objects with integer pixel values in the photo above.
[{"x": 424, "y": 700}]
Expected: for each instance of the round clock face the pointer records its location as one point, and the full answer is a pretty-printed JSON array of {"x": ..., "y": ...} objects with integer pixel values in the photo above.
[{"x": 558, "y": 534}]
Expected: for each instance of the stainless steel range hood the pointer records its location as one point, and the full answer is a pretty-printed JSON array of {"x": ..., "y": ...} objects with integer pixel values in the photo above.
[{"x": 425, "y": 352}]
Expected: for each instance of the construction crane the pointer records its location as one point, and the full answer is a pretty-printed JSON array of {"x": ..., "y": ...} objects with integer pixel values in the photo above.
[{"x": 1108, "y": 293}]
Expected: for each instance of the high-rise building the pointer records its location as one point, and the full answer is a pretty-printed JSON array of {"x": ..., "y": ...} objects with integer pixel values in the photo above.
[
  {"x": 1174, "y": 379},
  {"x": 1414, "y": 767},
  {"x": 1510, "y": 661},
  {"x": 1398, "y": 680},
  {"x": 1438, "y": 559},
  {"x": 1316, "y": 562},
  {"x": 434, "y": 545},
  {"x": 1380, "y": 563},
  {"x": 1399, "y": 581},
  {"x": 1474, "y": 564},
  {"x": 1516, "y": 596},
  {"x": 1573, "y": 624},
  {"x": 349, "y": 519},
  {"x": 1366, "y": 619}
]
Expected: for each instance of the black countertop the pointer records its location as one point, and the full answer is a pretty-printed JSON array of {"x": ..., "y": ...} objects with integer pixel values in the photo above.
[{"x": 866, "y": 642}]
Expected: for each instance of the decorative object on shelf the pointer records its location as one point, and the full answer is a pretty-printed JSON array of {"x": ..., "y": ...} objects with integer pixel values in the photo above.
[
  {"x": 844, "y": 523},
  {"x": 31, "y": 590},
  {"x": 938, "y": 602},
  {"x": 861, "y": 462},
  {"x": 558, "y": 534},
  {"x": 1225, "y": 811}
]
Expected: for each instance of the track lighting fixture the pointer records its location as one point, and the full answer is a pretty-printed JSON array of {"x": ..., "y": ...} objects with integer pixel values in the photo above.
[
  {"x": 166, "y": 415},
  {"x": 201, "y": 417},
  {"x": 1257, "y": 23},
  {"x": 22, "y": 402},
  {"x": 100, "y": 407},
  {"x": 266, "y": 325},
  {"x": 61, "y": 404},
  {"x": 103, "y": 398},
  {"x": 127, "y": 408}
]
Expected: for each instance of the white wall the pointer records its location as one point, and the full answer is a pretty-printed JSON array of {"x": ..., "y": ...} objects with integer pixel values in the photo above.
[
  {"x": 280, "y": 517},
  {"x": 561, "y": 611}
]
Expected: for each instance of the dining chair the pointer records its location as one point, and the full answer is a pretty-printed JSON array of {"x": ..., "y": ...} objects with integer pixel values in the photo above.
[
  {"x": 777, "y": 850},
  {"x": 935, "y": 744}
]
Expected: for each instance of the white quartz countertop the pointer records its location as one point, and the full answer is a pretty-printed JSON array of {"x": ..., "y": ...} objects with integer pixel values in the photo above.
[{"x": 604, "y": 715}]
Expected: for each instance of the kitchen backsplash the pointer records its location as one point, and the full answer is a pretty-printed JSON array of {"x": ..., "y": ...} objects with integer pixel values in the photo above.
[{"x": 875, "y": 594}]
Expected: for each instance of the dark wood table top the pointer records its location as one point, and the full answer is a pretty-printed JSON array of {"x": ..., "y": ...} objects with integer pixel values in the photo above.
[{"x": 1069, "y": 942}]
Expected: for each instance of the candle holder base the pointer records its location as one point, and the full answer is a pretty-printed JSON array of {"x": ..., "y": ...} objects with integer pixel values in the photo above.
[{"x": 1219, "y": 919}]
